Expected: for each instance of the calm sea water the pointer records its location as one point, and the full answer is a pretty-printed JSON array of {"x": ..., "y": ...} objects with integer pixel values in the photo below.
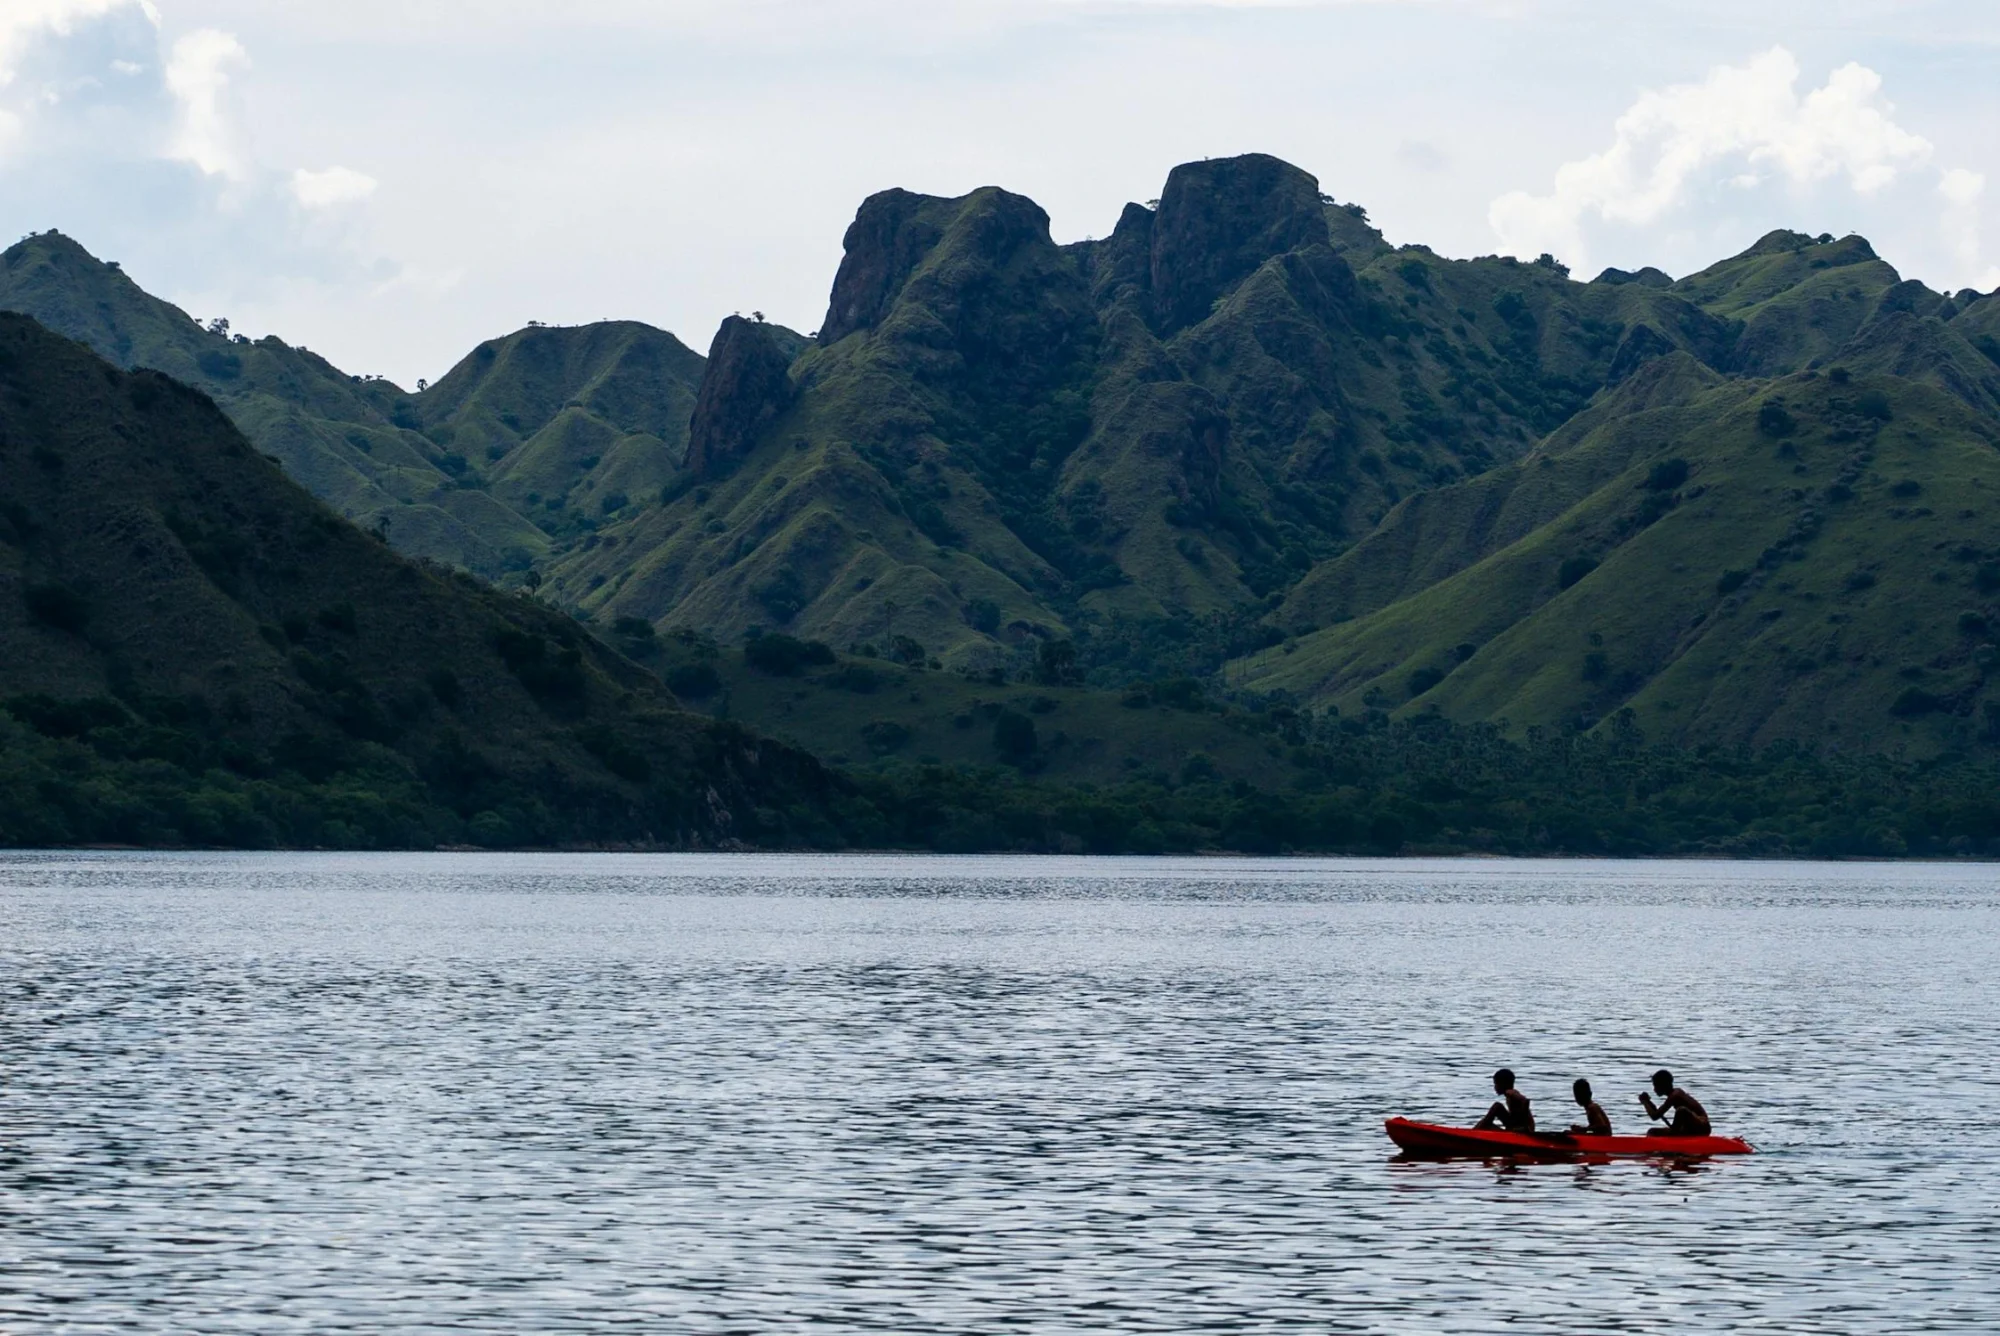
[{"x": 744, "y": 1094}]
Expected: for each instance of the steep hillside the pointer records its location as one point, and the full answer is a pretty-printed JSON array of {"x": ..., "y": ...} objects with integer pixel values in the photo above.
[
  {"x": 1805, "y": 559},
  {"x": 193, "y": 649},
  {"x": 525, "y": 447},
  {"x": 1241, "y": 438},
  {"x": 569, "y": 426},
  {"x": 1435, "y": 534},
  {"x": 354, "y": 443},
  {"x": 870, "y": 713},
  {"x": 994, "y": 441}
]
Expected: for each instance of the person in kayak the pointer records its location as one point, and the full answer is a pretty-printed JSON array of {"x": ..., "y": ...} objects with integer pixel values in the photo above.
[
  {"x": 1596, "y": 1122},
  {"x": 1688, "y": 1119},
  {"x": 1511, "y": 1110}
]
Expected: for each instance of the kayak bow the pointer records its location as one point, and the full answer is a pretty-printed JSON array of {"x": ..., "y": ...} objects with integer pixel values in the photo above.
[{"x": 1432, "y": 1141}]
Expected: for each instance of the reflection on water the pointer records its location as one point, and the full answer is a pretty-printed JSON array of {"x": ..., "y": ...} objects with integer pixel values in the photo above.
[{"x": 324, "y": 1093}]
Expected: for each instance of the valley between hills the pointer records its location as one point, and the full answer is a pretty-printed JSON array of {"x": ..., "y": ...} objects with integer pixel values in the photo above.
[{"x": 1239, "y": 527}]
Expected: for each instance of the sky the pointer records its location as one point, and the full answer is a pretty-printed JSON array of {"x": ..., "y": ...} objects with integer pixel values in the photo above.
[{"x": 391, "y": 181}]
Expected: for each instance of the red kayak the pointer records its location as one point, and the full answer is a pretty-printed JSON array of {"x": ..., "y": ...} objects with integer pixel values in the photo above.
[{"x": 1434, "y": 1142}]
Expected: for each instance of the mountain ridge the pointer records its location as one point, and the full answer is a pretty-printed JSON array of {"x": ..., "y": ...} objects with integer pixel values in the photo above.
[
  {"x": 194, "y": 650},
  {"x": 381, "y": 455},
  {"x": 1244, "y": 438}
]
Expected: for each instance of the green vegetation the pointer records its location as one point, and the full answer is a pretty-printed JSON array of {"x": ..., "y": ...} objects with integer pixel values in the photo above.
[
  {"x": 514, "y": 457},
  {"x": 871, "y": 713},
  {"x": 192, "y": 650},
  {"x": 1799, "y": 591},
  {"x": 1238, "y": 528},
  {"x": 1133, "y": 444},
  {"x": 1426, "y": 785}
]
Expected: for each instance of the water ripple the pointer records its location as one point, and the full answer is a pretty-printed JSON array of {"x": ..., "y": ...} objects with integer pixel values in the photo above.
[{"x": 499, "y": 1093}]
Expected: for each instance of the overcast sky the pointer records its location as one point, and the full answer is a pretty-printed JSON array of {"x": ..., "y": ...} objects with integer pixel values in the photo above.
[{"x": 390, "y": 181}]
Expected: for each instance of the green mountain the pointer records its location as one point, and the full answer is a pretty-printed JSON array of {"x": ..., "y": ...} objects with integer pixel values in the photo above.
[
  {"x": 1134, "y": 443},
  {"x": 880, "y": 715},
  {"x": 1743, "y": 559},
  {"x": 568, "y": 426},
  {"x": 192, "y": 649},
  {"x": 1241, "y": 442},
  {"x": 1402, "y": 483},
  {"x": 520, "y": 451}
]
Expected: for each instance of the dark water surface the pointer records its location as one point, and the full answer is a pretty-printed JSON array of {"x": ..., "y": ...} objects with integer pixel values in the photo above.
[{"x": 744, "y": 1094}]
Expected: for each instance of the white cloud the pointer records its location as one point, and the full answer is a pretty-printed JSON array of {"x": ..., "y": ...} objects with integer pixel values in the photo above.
[
  {"x": 1746, "y": 121},
  {"x": 22, "y": 19},
  {"x": 198, "y": 72},
  {"x": 1963, "y": 190},
  {"x": 1961, "y": 186},
  {"x": 493, "y": 118},
  {"x": 334, "y": 186}
]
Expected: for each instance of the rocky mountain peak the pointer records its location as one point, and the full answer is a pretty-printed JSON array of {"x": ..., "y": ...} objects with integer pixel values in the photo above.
[
  {"x": 1219, "y": 220},
  {"x": 744, "y": 387},
  {"x": 890, "y": 235}
]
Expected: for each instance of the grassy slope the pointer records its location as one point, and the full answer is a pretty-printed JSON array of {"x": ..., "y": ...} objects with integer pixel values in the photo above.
[
  {"x": 864, "y": 714},
  {"x": 838, "y": 511},
  {"x": 1858, "y": 546},
  {"x": 570, "y": 423},
  {"x": 1024, "y": 427},
  {"x": 1025, "y": 442},
  {"x": 1790, "y": 302},
  {"x": 351, "y": 442},
  {"x": 1435, "y": 534},
  {"x": 512, "y": 456},
  {"x": 150, "y": 557}
]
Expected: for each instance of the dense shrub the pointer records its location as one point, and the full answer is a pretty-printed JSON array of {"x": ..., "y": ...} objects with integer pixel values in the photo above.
[
  {"x": 1055, "y": 663},
  {"x": 618, "y": 755},
  {"x": 781, "y": 596},
  {"x": 884, "y": 736},
  {"x": 1424, "y": 679},
  {"x": 219, "y": 365},
  {"x": 1775, "y": 420},
  {"x": 858, "y": 678},
  {"x": 785, "y": 656},
  {"x": 446, "y": 687},
  {"x": 636, "y": 631},
  {"x": 340, "y": 617},
  {"x": 1915, "y": 702},
  {"x": 1667, "y": 475},
  {"x": 1014, "y": 736},
  {"x": 983, "y": 615},
  {"x": 1574, "y": 569},
  {"x": 552, "y": 675},
  {"x": 57, "y": 606},
  {"x": 693, "y": 681}
]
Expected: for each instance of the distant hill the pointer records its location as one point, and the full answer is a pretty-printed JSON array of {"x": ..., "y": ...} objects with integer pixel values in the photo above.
[
  {"x": 1243, "y": 422},
  {"x": 994, "y": 440},
  {"x": 569, "y": 426},
  {"x": 527, "y": 444},
  {"x": 1242, "y": 441},
  {"x": 193, "y": 650},
  {"x": 1744, "y": 561}
]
